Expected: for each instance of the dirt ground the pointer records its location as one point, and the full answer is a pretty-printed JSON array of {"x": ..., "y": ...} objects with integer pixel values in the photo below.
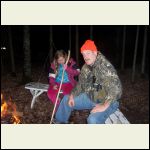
[{"x": 134, "y": 102}]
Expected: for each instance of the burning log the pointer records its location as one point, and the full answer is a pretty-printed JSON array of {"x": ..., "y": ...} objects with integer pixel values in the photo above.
[{"x": 9, "y": 113}]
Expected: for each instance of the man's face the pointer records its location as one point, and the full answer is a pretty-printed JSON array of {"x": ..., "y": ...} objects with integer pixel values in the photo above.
[{"x": 89, "y": 56}]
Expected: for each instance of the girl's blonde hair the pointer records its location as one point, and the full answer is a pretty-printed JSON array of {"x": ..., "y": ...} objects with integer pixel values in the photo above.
[{"x": 58, "y": 54}]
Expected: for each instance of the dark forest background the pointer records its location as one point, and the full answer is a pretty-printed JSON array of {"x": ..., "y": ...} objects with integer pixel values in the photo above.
[
  {"x": 109, "y": 40},
  {"x": 26, "y": 53}
]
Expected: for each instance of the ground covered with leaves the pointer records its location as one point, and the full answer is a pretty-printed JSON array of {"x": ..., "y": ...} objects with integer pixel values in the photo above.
[{"x": 134, "y": 102}]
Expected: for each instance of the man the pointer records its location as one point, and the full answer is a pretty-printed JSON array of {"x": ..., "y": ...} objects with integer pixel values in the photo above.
[{"x": 98, "y": 88}]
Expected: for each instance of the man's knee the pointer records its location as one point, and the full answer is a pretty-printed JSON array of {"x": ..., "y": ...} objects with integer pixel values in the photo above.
[{"x": 92, "y": 119}]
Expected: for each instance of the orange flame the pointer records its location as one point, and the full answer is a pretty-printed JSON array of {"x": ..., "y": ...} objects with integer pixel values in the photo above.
[
  {"x": 9, "y": 108},
  {"x": 16, "y": 120},
  {"x": 4, "y": 109}
]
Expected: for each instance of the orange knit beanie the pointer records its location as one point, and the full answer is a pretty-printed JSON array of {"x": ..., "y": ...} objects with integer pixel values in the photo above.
[{"x": 88, "y": 45}]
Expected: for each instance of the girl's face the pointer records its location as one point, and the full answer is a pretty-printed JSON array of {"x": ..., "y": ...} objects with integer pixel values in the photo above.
[{"x": 61, "y": 60}]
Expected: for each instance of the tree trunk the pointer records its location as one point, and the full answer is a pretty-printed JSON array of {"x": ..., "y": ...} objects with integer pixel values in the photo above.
[
  {"x": 2, "y": 64},
  {"x": 117, "y": 51},
  {"x": 11, "y": 52},
  {"x": 77, "y": 45},
  {"x": 123, "y": 48},
  {"x": 27, "y": 55},
  {"x": 135, "y": 53},
  {"x": 51, "y": 44},
  {"x": 144, "y": 50},
  {"x": 91, "y": 32},
  {"x": 70, "y": 37}
]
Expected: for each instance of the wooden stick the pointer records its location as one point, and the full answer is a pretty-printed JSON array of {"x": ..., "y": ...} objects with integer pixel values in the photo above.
[{"x": 59, "y": 88}]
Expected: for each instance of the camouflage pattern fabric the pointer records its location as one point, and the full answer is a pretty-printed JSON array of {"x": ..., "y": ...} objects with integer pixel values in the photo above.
[{"x": 100, "y": 81}]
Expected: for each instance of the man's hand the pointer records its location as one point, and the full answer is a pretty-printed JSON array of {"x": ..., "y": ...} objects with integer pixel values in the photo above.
[
  {"x": 71, "y": 101},
  {"x": 100, "y": 108}
]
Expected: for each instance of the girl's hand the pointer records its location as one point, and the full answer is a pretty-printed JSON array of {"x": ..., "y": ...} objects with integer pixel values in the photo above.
[
  {"x": 55, "y": 87},
  {"x": 65, "y": 66}
]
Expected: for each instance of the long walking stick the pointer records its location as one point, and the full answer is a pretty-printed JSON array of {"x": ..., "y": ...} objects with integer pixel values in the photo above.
[{"x": 62, "y": 78}]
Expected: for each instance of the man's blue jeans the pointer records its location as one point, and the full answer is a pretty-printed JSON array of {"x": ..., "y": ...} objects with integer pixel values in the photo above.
[{"x": 83, "y": 102}]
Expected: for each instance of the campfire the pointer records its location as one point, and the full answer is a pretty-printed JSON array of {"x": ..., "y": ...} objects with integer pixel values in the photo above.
[{"x": 9, "y": 114}]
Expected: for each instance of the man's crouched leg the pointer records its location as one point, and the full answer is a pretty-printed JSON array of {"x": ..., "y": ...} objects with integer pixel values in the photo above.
[{"x": 100, "y": 117}]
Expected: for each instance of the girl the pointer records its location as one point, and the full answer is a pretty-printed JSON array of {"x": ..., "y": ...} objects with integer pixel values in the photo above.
[{"x": 55, "y": 76}]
